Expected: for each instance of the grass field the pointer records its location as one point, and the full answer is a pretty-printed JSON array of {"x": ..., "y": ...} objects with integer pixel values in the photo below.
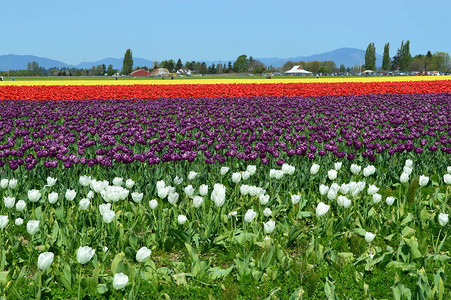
[{"x": 67, "y": 80}]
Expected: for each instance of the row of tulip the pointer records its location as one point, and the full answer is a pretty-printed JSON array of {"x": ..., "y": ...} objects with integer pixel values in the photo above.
[{"x": 142, "y": 91}]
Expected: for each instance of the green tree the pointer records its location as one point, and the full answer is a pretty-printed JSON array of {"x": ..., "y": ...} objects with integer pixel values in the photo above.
[
  {"x": 34, "y": 69},
  {"x": 110, "y": 71},
  {"x": 127, "y": 64},
  {"x": 179, "y": 64},
  {"x": 405, "y": 58},
  {"x": 342, "y": 69},
  {"x": 370, "y": 57},
  {"x": 442, "y": 61},
  {"x": 386, "y": 58},
  {"x": 241, "y": 64}
]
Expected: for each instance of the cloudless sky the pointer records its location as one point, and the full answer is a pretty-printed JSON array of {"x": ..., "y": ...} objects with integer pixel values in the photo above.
[{"x": 74, "y": 31}]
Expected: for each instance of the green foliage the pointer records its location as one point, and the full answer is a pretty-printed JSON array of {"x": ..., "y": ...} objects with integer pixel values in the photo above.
[
  {"x": 386, "y": 65},
  {"x": 241, "y": 64},
  {"x": 370, "y": 57},
  {"x": 127, "y": 63}
]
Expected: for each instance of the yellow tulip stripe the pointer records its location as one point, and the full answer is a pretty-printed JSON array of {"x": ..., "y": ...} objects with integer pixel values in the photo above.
[{"x": 214, "y": 80}]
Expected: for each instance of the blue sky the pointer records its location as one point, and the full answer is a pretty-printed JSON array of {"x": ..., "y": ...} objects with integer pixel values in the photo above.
[{"x": 74, "y": 31}]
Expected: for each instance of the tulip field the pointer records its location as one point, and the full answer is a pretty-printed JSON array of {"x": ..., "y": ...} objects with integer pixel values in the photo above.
[{"x": 197, "y": 189}]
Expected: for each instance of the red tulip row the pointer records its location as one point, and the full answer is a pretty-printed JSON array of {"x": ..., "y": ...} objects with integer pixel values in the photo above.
[{"x": 78, "y": 92}]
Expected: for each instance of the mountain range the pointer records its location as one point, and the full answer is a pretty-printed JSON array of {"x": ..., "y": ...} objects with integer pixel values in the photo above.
[{"x": 346, "y": 56}]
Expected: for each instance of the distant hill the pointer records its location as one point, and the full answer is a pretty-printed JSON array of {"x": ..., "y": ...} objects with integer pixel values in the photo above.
[
  {"x": 346, "y": 56},
  {"x": 116, "y": 62},
  {"x": 20, "y": 62},
  {"x": 343, "y": 56}
]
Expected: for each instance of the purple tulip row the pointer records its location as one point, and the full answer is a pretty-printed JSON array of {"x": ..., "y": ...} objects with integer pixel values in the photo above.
[{"x": 102, "y": 132}]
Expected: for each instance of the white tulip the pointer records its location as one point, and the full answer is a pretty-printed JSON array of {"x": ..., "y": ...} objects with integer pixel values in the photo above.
[
  {"x": 32, "y": 227},
  {"x": 224, "y": 170},
  {"x": 84, "y": 180},
  {"x": 84, "y": 204},
  {"x": 9, "y": 202},
  {"x": 53, "y": 197},
  {"x": 163, "y": 192},
  {"x": 232, "y": 214},
  {"x": 251, "y": 169},
  {"x": 448, "y": 169},
  {"x": 181, "y": 219},
  {"x": 236, "y": 177},
  {"x": 287, "y": 169},
  {"x": 323, "y": 189},
  {"x": 244, "y": 189},
  {"x": 295, "y": 199},
  {"x": 34, "y": 195},
  {"x": 197, "y": 201},
  {"x": 90, "y": 195},
  {"x": 245, "y": 175},
  {"x": 124, "y": 193},
  {"x": 369, "y": 170},
  {"x": 267, "y": 212},
  {"x": 160, "y": 184},
  {"x": 404, "y": 177},
  {"x": 407, "y": 170},
  {"x": 192, "y": 175},
  {"x": 341, "y": 200},
  {"x": 45, "y": 260},
  {"x": 4, "y": 183},
  {"x": 103, "y": 208},
  {"x": 173, "y": 198},
  {"x": 390, "y": 200},
  {"x": 423, "y": 180},
  {"x": 337, "y": 166},
  {"x": 447, "y": 178},
  {"x": 409, "y": 163},
  {"x": 178, "y": 180},
  {"x": 85, "y": 254},
  {"x": 322, "y": 209},
  {"x": 120, "y": 281},
  {"x": 12, "y": 183},
  {"x": 118, "y": 181},
  {"x": 250, "y": 215},
  {"x": 346, "y": 202},
  {"x": 352, "y": 186},
  {"x": 153, "y": 204},
  {"x": 70, "y": 195},
  {"x": 332, "y": 194},
  {"x": 143, "y": 254},
  {"x": 443, "y": 219},
  {"x": 203, "y": 189},
  {"x": 278, "y": 174},
  {"x": 98, "y": 186},
  {"x": 344, "y": 188},
  {"x": 377, "y": 198},
  {"x": 332, "y": 174},
  {"x": 3, "y": 221},
  {"x": 18, "y": 222},
  {"x": 108, "y": 216},
  {"x": 372, "y": 189},
  {"x": 129, "y": 183},
  {"x": 218, "y": 194},
  {"x": 189, "y": 190},
  {"x": 355, "y": 169},
  {"x": 21, "y": 205},
  {"x": 51, "y": 181},
  {"x": 137, "y": 197},
  {"x": 314, "y": 169},
  {"x": 272, "y": 173},
  {"x": 369, "y": 236},
  {"x": 264, "y": 199},
  {"x": 269, "y": 226}
]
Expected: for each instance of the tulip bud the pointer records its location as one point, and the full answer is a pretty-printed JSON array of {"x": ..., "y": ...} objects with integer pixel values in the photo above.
[
  {"x": 251, "y": 169},
  {"x": 372, "y": 189},
  {"x": 314, "y": 169},
  {"x": 53, "y": 197},
  {"x": 84, "y": 204},
  {"x": 323, "y": 189},
  {"x": 377, "y": 198},
  {"x": 153, "y": 204},
  {"x": 45, "y": 260},
  {"x": 84, "y": 254},
  {"x": 337, "y": 166},
  {"x": 295, "y": 199},
  {"x": 236, "y": 177},
  {"x": 178, "y": 180},
  {"x": 390, "y": 200},
  {"x": 278, "y": 174},
  {"x": 332, "y": 174},
  {"x": 224, "y": 170},
  {"x": 447, "y": 178},
  {"x": 9, "y": 202},
  {"x": 34, "y": 195},
  {"x": 197, "y": 201},
  {"x": 448, "y": 169},
  {"x": 322, "y": 209},
  {"x": 137, "y": 197},
  {"x": 203, "y": 190},
  {"x": 70, "y": 195},
  {"x": 129, "y": 183},
  {"x": 369, "y": 236},
  {"x": 32, "y": 227},
  {"x": 3, "y": 221},
  {"x": 143, "y": 254},
  {"x": 218, "y": 194},
  {"x": 264, "y": 199},
  {"x": 84, "y": 180},
  {"x": 269, "y": 226},
  {"x": 267, "y": 212},
  {"x": 120, "y": 281},
  {"x": 108, "y": 216},
  {"x": 4, "y": 183},
  {"x": 189, "y": 191},
  {"x": 404, "y": 177},
  {"x": 181, "y": 219},
  {"x": 18, "y": 222},
  {"x": 407, "y": 170},
  {"x": 423, "y": 180},
  {"x": 443, "y": 219},
  {"x": 250, "y": 215},
  {"x": 192, "y": 175},
  {"x": 104, "y": 208},
  {"x": 12, "y": 183},
  {"x": 409, "y": 163},
  {"x": 355, "y": 169},
  {"x": 90, "y": 195},
  {"x": 118, "y": 181},
  {"x": 51, "y": 181},
  {"x": 173, "y": 198},
  {"x": 369, "y": 170},
  {"x": 244, "y": 189}
]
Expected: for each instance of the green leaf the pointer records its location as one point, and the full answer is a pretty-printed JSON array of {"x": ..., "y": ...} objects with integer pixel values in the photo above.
[
  {"x": 117, "y": 259},
  {"x": 217, "y": 272},
  {"x": 4, "y": 277},
  {"x": 407, "y": 232}
]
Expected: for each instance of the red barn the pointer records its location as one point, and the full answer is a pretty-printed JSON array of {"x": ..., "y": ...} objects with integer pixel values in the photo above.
[{"x": 140, "y": 73}]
